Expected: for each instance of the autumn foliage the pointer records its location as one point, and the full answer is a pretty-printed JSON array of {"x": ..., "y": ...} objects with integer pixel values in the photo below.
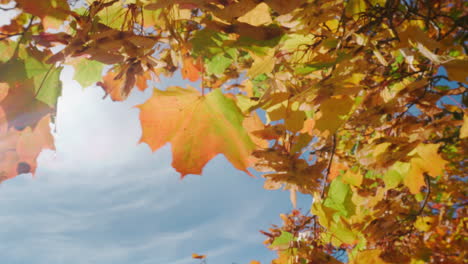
[{"x": 358, "y": 103}]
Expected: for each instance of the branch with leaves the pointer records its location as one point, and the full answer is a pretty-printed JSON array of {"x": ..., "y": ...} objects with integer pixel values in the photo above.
[{"x": 360, "y": 104}]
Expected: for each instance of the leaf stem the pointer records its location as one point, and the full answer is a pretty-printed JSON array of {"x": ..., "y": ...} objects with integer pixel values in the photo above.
[{"x": 202, "y": 76}]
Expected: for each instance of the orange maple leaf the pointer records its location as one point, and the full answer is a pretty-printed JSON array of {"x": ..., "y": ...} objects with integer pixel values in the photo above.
[
  {"x": 119, "y": 85},
  {"x": 32, "y": 142},
  {"x": 196, "y": 256},
  {"x": 52, "y": 12},
  {"x": 191, "y": 70},
  {"x": 198, "y": 128},
  {"x": 20, "y": 149},
  {"x": 21, "y": 108}
]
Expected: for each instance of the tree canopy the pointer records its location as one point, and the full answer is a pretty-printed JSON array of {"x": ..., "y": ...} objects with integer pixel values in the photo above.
[{"x": 360, "y": 104}]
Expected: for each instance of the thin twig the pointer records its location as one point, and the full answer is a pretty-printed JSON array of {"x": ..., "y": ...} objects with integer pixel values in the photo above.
[
  {"x": 426, "y": 198},
  {"x": 325, "y": 177},
  {"x": 26, "y": 29},
  {"x": 7, "y": 8},
  {"x": 44, "y": 79},
  {"x": 7, "y": 36}
]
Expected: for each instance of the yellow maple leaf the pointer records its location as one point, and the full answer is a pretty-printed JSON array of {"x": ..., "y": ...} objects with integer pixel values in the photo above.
[
  {"x": 430, "y": 161},
  {"x": 414, "y": 179},
  {"x": 426, "y": 160},
  {"x": 332, "y": 109},
  {"x": 368, "y": 257},
  {"x": 464, "y": 128},
  {"x": 355, "y": 7},
  {"x": 425, "y": 223},
  {"x": 262, "y": 64},
  {"x": 353, "y": 178},
  {"x": 258, "y": 16},
  {"x": 324, "y": 214}
]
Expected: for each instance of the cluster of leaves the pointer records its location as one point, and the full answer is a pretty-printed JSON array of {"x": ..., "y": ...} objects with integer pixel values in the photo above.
[{"x": 343, "y": 100}]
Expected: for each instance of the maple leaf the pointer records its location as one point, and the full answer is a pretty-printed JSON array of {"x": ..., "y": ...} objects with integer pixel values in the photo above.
[
  {"x": 8, "y": 155},
  {"x": 119, "y": 85},
  {"x": 429, "y": 160},
  {"x": 48, "y": 87},
  {"x": 464, "y": 128},
  {"x": 218, "y": 64},
  {"x": 303, "y": 65},
  {"x": 260, "y": 15},
  {"x": 32, "y": 142},
  {"x": 115, "y": 87},
  {"x": 332, "y": 110},
  {"x": 456, "y": 70},
  {"x": 252, "y": 125},
  {"x": 197, "y": 256},
  {"x": 52, "y": 12},
  {"x": 22, "y": 108},
  {"x": 88, "y": 72},
  {"x": 198, "y": 128},
  {"x": 368, "y": 257},
  {"x": 324, "y": 214},
  {"x": 9, "y": 165},
  {"x": 425, "y": 160},
  {"x": 20, "y": 149},
  {"x": 191, "y": 70},
  {"x": 262, "y": 64},
  {"x": 414, "y": 179}
]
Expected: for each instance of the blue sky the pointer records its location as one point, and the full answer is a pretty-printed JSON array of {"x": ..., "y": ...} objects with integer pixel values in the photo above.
[{"x": 103, "y": 198}]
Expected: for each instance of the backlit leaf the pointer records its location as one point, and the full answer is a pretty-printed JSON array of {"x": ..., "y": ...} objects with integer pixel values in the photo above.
[
  {"x": 414, "y": 179},
  {"x": 262, "y": 64},
  {"x": 197, "y": 256},
  {"x": 394, "y": 176},
  {"x": 218, "y": 64},
  {"x": 371, "y": 256},
  {"x": 46, "y": 77},
  {"x": 332, "y": 110},
  {"x": 425, "y": 223},
  {"x": 429, "y": 160},
  {"x": 324, "y": 214},
  {"x": 22, "y": 108},
  {"x": 48, "y": 87},
  {"x": 464, "y": 128},
  {"x": 88, "y": 72},
  {"x": 198, "y": 128},
  {"x": 32, "y": 141},
  {"x": 284, "y": 239},
  {"x": 352, "y": 178},
  {"x": 339, "y": 197},
  {"x": 260, "y": 15},
  {"x": 190, "y": 70},
  {"x": 52, "y": 12}
]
